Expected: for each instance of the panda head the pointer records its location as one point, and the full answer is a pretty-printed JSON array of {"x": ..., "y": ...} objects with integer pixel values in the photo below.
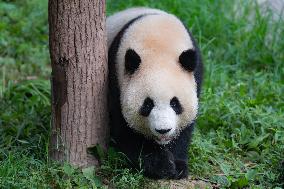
[{"x": 156, "y": 77}]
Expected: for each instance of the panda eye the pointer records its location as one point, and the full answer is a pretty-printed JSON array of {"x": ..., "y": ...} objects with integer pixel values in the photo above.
[
  {"x": 132, "y": 61},
  {"x": 176, "y": 106},
  {"x": 147, "y": 106}
]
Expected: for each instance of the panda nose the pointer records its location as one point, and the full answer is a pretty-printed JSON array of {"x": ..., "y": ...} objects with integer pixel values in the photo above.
[{"x": 163, "y": 131}]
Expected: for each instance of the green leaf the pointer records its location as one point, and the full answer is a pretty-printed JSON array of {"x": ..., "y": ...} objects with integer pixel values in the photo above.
[
  {"x": 250, "y": 175},
  {"x": 225, "y": 168},
  {"x": 89, "y": 173},
  {"x": 68, "y": 169},
  {"x": 242, "y": 182},
  {"x": 253, "y": 144},
  {"x": 239, "y": 183},
  {"x": 23, "y": 141},
  {"x": 98, "y": 182}
]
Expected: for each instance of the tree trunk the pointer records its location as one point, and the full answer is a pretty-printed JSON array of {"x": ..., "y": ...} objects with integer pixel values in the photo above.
[{"x": 78, "y": 54}]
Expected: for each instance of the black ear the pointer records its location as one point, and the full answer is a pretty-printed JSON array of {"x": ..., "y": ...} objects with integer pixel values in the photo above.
[
  {"x": 188, "y": 59},
  {"x": 132, "y": 61}
]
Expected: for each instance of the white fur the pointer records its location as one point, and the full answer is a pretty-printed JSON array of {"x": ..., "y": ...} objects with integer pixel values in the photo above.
[
  {"x": 115, "y": 22},
  {"x": 163, "y": 117},
  {"x": 159, "y": 40}
]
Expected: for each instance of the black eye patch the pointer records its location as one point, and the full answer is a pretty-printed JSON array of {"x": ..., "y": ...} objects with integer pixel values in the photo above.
[
  {"x": 147, "y": 106},
  {"x": 176, "y": 106},
  {"x": 132, "y": 61},
  {"x": 188, "y": 59}
]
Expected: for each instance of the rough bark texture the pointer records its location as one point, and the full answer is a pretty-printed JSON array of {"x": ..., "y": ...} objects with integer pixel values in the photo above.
[{"x": 79, "y": 79}]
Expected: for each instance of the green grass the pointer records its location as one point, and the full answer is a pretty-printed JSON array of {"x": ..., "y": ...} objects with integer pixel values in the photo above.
[{"x": 239, "y": 138}]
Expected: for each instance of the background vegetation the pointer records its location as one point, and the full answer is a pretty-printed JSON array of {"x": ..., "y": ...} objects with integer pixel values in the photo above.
[{"x": 239, "y": 139}]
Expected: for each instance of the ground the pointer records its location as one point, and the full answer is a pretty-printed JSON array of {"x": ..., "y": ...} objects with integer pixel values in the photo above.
[{"x": 239, "y": 138}]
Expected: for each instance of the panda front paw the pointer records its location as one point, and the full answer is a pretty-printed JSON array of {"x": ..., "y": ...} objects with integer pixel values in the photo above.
[
  {"x": 181, "y": 168},
  {"x": 160, "y": 165}
]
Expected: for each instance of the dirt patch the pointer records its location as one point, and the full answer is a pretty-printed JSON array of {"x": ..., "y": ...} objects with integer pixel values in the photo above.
[{"x": 188, "y": 183}]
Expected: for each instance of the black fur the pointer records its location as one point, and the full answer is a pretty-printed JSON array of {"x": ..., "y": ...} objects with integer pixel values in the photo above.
[
  {"x": 198, "y": 71},
  {"x": 175, "y": 104},
  {"x": 132, "y": 61},
  {"x": 147, "y": 106},
  {"x": 187, "y": 60},
  {"x": 158, "y": 161}
]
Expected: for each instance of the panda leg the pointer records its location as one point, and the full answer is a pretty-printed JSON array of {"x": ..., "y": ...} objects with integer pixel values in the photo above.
[
  {"x": 160, "y": 165},
  {"x": 179, "y": 148},
  {"x": 181, "y": 169}
]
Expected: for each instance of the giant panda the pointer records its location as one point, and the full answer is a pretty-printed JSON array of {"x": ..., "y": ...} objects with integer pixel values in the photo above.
[{"x": 155, "y": 75}]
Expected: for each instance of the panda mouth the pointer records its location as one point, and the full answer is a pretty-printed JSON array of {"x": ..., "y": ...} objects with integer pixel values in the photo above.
[{"x": 163, "y": 139}]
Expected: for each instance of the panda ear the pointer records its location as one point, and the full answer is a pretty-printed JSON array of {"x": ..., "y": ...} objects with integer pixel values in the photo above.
[
  {"x": 188, "y": 59},
  {"x": 132, "y": 61}
]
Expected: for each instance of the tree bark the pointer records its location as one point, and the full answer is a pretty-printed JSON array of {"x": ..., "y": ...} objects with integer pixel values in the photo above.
[{"x": 78, "y": 55}]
